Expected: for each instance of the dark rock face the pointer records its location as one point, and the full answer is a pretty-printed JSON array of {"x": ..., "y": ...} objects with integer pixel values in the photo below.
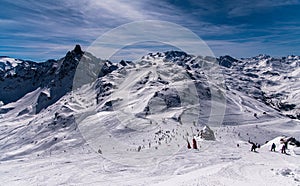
[
  {"x": 227, "y": 61},
  {"x": 170, "y": 97},
  {"x": 123, "y": 63},
  {"x": 107, "y": 68},
  {"x": 28, "y": 76},
  {"x": 42, "y": 102},
  {"x": 171, "y": 55},
  {"x": 78, "y": 50}
]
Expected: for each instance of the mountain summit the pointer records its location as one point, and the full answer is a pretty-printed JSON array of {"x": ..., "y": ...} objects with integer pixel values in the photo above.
[{"x": 78, "y": 50}]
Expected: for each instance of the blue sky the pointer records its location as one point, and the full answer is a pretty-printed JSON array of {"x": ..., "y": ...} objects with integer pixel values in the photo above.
[{"x": 40, "y": 30}]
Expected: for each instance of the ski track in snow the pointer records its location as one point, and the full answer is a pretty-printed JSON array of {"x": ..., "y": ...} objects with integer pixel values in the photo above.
[{"x": 221, "y": 163}]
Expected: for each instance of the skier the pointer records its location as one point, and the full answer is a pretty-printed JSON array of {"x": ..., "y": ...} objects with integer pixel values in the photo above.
[
  {"x": 188, "y": 144},
  {"x": 273, "y": 147},
  {"x": 283, "y": 149},
  {"x": 286, "y": 144},
  {"x": 201, "y": 134},
  {"x": 255, "y": 115},
  {"x": 194, "y": 144},
  {"x": 254, "y": 146}
]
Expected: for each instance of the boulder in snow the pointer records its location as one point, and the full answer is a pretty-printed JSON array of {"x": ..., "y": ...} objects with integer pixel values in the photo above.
[{"x": 207, "y": 134}]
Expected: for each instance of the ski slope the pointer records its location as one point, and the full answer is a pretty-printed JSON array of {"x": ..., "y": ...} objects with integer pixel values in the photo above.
[{"x": 215, "y": 163}]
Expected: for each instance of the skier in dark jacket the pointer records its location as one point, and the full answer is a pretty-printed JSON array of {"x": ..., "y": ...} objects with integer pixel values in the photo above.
[
  {"x": 286, "y": 144},
  {"x": 254, "y": 146},
  {"x": 194, "y": 144},
  {"x": 188, "y": 144},
  {"x": 273, "y": 147},
  {"x": 283, "y": 149}
]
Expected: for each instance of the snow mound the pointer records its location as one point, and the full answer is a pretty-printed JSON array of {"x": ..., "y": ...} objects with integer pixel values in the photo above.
[
  {"x": 279, "y": 141},
  {"x": 287, "y": 172},
  {"x": 296, "y": 150},
  {"x": 276, "y": 140}
]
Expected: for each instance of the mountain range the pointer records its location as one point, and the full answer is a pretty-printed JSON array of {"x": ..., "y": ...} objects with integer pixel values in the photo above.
[
  {"x": 273, "y": 81},
  {"x": 130, "y": 112}
]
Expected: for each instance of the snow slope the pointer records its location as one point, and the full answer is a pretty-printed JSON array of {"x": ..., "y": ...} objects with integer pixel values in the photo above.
[
  {"x": 130, "y": 125},
  {"x": 223, "y": 163}
]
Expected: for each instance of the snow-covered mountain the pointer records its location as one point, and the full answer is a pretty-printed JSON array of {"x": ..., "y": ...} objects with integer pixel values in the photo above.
[
  {"x": 133, "y": 119},
  {"x": 53, "y": 78},
  {"x": 273, "y": 81}
]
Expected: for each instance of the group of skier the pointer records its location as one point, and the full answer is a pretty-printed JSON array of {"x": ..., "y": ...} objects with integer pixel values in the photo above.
[
  {"x": 283, "y": 148},
  {"x": 253, "y": 147},
  {"x": 194, "y": 144},
  {"x": 273, "y": 147}
]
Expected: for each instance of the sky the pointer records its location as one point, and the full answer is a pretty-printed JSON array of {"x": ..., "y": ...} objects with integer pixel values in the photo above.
[{"x": 47, "y": 29}]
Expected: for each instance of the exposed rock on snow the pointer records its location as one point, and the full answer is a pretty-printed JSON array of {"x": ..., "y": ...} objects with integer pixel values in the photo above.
[
  {"x": 287, "y": 172},
  {"x": 207, "y": 133}
]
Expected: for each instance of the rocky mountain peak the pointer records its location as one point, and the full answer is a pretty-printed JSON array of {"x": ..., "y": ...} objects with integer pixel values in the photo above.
[{"x": 77, "y": 49}]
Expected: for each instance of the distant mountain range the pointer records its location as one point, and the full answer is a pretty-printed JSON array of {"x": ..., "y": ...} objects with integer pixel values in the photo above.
[{"x": 272, "y": 81}]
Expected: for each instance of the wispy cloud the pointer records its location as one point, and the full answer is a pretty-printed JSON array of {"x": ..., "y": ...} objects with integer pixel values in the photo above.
[
  {"x": 61, "y": 24},
  {"x": 122, "y": 9},
  {"x": 47, "y": 29},
  {"x": 248, "y": 7}
]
